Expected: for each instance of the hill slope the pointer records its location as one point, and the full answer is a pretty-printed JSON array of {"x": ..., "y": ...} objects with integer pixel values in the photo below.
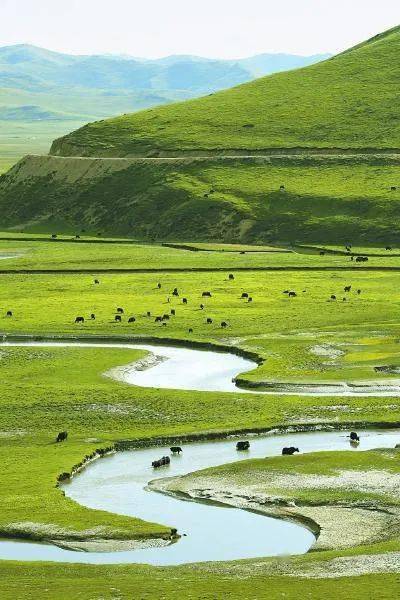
[
  {"x": 349, "y": 101},
  {"x": 326, "y": 199}
]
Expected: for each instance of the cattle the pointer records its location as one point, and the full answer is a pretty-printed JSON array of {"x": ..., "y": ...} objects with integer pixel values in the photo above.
[
  {"x": 388, "y": 248},
  {"x": 148, "y": 314},
  {"x": 231, "y": 277},
  {"x": 118, "y": 319},
  {"x": 184, "y": 300},
  {"x": 243, "y": 445},
  {"x": 289, "y": 451},
  {"x": 173, "y": 312},
  {"x": 322, "y": 253},
  {"x": 9, "y": 313},
  {"x": 175, "y": 292},
  {"x": 333, "y": 297},
  {"x": 282, "y": 188},
  {"x": 93, "y": 316},
  {"x": 62, "y": 436},
  {"x": 393, "y": 188},
  {"x": 224, "y": 324},
  {"x": 206, "y": 295},
  {"x": 53, "y": 236},
  {"x": 285, "y": 292},
  {"x": 201, "y": 306},
  {"x": 159, "y": 286},
  {"x": 80, "y": 320},
  {"x": 348, "y": 248},
  {"x": 77, "y": 237},
  {"x": 347, "y": 288},
  {"x": 362, "y": 259},
  {"x": 354, "y": 437},
  {"x": 292, "y": 295},
  {"x": 120, "y": 311},
  {"x": 165, "y": 317},
  {"x": 131, "y": 320},
  {"x": 351, "y": 258},
  {"x": 245, "y": 295},
  {"x": 158, "y": 320},
  {"x": 344, "y": 299},
  {"x": 209, "y": 321},
  {"x": 165, "y": 460},
  {"x": 164, "y": 324},
  {"x": 358, "y": 292},
  {"x": 249, "y": 299},
  {"x": 190, "y": 330},
  {"x": 96, "y": 282},
  {"x": 176, "y": 449}
]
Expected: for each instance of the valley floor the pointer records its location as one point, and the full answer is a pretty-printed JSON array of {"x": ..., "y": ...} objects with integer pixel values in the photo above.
[{"x": 304, "y": 339}]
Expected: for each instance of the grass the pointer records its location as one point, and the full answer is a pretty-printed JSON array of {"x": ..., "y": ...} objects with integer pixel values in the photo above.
[
  {"x": 345, "y": 102},
  {"x": 340, "y": 200},
  {"x": 33, "y": 254},
  {"x": 291, "y": 481}
]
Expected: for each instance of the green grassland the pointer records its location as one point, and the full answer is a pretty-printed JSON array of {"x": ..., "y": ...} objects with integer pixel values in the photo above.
[
  {"x": 45, "y": 390},
  {"x": 348, "y": 101},
  {"x": 325, "y": 201},
  {"x": 81, "y": 256}
]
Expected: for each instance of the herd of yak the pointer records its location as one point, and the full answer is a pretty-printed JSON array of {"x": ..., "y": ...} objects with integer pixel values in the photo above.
[{"x": 163, "y": 319}]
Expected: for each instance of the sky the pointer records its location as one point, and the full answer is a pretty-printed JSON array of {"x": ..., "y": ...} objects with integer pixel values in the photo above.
[{"x": 211, "y": 28}]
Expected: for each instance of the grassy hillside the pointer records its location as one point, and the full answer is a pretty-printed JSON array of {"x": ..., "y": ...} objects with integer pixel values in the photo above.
[
  {"x": 325, "y": 200},
  {"x": 349, "y": 101}
]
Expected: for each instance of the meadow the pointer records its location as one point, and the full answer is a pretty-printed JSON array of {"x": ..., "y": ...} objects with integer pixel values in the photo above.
[{"x": 47, "y": 390}]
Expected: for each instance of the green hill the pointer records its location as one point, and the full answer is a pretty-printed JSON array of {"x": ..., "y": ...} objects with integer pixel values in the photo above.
[
  {"x": 325, "y": 200},
  {"x": 346, "y": 102}
]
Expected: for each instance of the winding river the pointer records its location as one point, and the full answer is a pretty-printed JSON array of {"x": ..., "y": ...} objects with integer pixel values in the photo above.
[{"x": 117, "y": 483}]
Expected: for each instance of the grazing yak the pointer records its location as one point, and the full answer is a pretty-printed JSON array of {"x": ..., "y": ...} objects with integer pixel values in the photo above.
[
  {"x": 243, "y": 445},
  {"x": 93, "y": 316},
  {"x": 176, "y": 449},
  {"x": 206, "y": 295},
  {"x": 62, "y": 436},
  {"x": 209, "y": 321},
  {"x": 159, "y": 286},
  {"x": 120, "y": 311},
  {"x": 249, "y": 299},
  {"x": 322, "y": 253},
  {"x": 9, "y": 313},
  {"x": 184, "y": 300},
  {"x": 118, "y": 319},
  {"x": 245, "y": 295},
  {"x": 201, "y": 306},
  {"x": 333, "y": 297},
  {"x": 224, "y": 324},
  {"x": 347, "y": 288},
  {"x": 173, "y": 312},
  {"x": 231, "y": 277},
  {"x": 362, "y": 259},
  {"x": 175, "y": 292},
  {"x": 158, "y": 320},
  {"x": 190, "y": 330},
  {"x": 354, "y": 437},
  {"x": 165, "y": 460},
  {"x": 292, "y": 295},
  {"x": 131, "y": 320},
  {"x": 289, "y": 451},
  {"x": 80, "y": 320},
  {"x": 148, "y": 314},
  {"x": 96, "y": 282}
]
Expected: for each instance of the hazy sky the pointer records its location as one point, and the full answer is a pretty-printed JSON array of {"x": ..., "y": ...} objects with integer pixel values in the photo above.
[{"x": 214, "y": 28}]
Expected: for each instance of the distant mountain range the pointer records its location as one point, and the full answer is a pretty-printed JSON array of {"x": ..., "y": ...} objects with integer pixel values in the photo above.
[{"x": 38, "y": 84}]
